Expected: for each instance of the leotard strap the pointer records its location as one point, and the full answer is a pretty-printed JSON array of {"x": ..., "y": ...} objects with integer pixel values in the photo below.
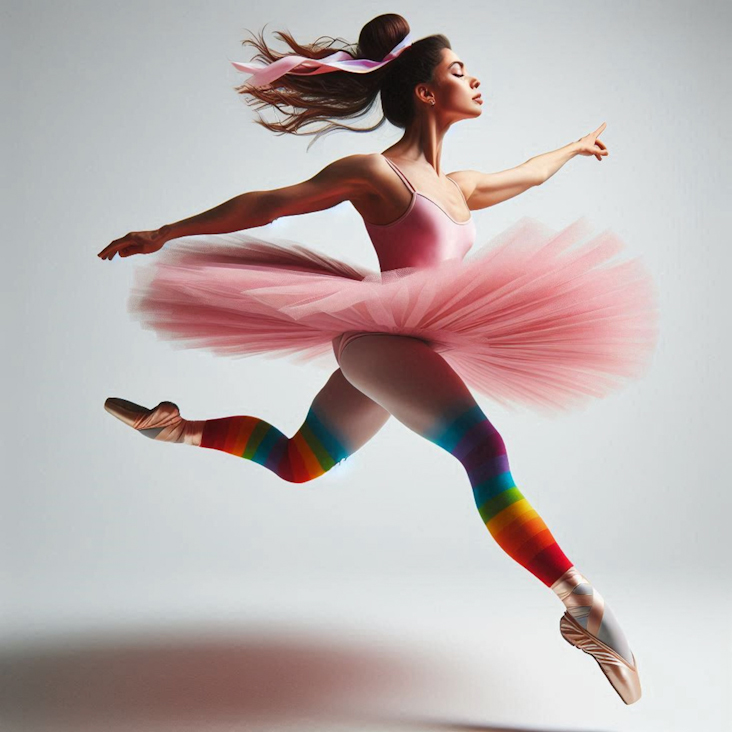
[
  {"x": 416, "y": 193},
  {"x": 400, "y": 174},
  {"x": 461, "y": 192}
]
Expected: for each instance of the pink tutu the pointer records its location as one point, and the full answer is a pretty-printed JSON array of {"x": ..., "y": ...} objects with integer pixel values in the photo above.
[{"x": 535, "y": 317}]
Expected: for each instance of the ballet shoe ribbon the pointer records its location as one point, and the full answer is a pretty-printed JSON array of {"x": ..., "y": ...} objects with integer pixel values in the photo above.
[
  {"x": 163, "y": 415},
  {"x": 564, "y": 588}
]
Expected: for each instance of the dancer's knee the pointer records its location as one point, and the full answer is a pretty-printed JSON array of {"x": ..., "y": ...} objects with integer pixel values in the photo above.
[
  {"x": 470, "y": 437},
  {"x": 311, "y": 452},
  {"x": 299, "y": 464}
]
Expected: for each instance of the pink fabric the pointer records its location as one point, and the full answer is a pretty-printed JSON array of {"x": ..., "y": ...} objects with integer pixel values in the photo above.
[
  {"x": 423, "y": 236},
  {"x": 535, "y": 317},
  {"x": 263, "y": 75}
]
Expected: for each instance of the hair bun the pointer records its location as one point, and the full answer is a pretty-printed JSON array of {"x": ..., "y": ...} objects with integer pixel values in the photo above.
[{"x": 380, "y": 35}]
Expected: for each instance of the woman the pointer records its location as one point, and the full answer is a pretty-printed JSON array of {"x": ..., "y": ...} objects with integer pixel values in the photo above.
[{"x": 527, "y": 321}]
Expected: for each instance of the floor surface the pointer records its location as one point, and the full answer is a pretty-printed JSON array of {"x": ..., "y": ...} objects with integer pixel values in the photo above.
[{"x": 369, "y": 654}]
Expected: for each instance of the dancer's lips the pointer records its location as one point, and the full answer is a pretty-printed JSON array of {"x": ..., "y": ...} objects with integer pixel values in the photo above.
[{"x": 478, "y": 98}]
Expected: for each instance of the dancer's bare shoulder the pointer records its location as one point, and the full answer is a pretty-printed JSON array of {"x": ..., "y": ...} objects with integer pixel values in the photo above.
[
  {"x": 352, "y": 178},
  {"x": 385, "y": 196}
]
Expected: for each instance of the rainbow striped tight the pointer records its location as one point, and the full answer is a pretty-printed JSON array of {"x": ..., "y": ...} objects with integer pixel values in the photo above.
[
  {"x": 471, "y": 438},
  {"x": 310, "y": 452},
  {"x": 514, "y": 524},
  {"x": 405, "y": 378}
]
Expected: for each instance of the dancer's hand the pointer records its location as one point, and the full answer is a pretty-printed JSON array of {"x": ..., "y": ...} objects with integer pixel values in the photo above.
[
  {"x": 590, "y": 145},
  {"x": 136, "y": 242}
]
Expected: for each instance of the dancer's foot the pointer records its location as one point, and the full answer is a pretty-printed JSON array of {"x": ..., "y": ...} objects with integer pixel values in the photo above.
[
  {"x": 590, "y": 625},
  {"x": 162, "y": 423}
]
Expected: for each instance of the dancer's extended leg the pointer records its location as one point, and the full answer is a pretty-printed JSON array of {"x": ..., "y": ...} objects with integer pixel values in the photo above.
[
  {"x": 417, "y": 386},
  {"x": 340, "y": 420}
]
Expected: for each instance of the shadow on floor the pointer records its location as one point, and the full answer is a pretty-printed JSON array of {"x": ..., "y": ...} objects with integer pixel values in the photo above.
[{"x": 260, "y": 677}]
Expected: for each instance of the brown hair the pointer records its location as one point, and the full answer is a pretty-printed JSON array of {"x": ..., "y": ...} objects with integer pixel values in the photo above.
[{"x": 341, "y": 94}]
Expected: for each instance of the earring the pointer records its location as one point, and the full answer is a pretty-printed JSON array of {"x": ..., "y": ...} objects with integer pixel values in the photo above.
[{"x": 432, "y": 101}]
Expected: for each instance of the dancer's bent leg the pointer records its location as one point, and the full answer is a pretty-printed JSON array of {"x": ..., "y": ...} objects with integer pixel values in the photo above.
[
  {"x": 415, "y": 384},
  {"x": 340, "y": 420}
]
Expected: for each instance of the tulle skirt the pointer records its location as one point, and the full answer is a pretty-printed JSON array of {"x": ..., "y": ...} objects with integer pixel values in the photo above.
[{"x": 535, "y": 317}]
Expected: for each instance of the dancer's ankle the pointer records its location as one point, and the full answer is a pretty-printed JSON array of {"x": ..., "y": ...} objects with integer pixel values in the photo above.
[
  {"x": 588, "y": 607},
  {"x": 192, "y": 432}
]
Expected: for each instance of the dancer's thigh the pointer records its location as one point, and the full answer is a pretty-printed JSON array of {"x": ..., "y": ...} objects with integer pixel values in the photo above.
[
  {"x": 407, "y": 378},
  {"x": 348, "y": 412}
]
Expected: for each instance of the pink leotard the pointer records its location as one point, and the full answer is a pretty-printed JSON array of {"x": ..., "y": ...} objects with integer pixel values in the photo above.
[{"x": 424, "y": 235}]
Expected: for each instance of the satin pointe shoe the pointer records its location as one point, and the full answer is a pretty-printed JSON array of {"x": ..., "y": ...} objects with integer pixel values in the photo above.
[
  {"x": 161, "y": 423},
  {"x": 622, "y": 675}
]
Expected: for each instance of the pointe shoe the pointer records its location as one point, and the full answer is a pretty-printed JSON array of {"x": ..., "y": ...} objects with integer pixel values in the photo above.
[
  {"x": 161, "y": 423},
  {"x": 622, "y": 676}
]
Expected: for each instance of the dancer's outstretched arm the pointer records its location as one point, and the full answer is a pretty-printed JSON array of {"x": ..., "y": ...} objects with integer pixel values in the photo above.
[
  {"x": 482, "y": 190},
  {"x": 340, "y": 420},
  {"x": 347, "y": 179}
]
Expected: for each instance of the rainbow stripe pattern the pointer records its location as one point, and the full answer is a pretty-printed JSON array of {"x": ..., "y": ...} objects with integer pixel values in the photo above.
[
  {"x": 513, "y": 523},
  {"x": 309, "y": 453}
]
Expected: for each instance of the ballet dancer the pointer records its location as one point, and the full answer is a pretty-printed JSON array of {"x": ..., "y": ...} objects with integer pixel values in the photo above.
[{"x": 527, "y": 321}]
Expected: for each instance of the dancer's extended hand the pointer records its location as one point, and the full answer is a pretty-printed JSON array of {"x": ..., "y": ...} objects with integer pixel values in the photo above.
[
  {"x": 136, "y": 242},
  {"x": 591, "y": 145}
]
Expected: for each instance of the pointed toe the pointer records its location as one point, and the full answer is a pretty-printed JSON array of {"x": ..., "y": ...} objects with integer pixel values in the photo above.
[
  {"x": 162, "y": 423},
  {"x": 622, "y": 675},
  {"x": 125, "y": 411}
]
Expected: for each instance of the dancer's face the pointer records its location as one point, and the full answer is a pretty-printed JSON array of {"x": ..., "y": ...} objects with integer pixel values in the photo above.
[{"x": 454, "y": 88}]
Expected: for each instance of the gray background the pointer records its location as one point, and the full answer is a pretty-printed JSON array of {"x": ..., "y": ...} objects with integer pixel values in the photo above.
[{"x": 374, "y": 593}]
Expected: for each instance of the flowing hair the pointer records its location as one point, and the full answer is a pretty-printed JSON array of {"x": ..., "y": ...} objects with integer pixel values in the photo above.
[{"x": 306, "y": 100}]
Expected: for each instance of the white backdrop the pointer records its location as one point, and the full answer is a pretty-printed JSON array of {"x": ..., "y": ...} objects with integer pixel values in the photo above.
[{"x": 123, "y": 117}]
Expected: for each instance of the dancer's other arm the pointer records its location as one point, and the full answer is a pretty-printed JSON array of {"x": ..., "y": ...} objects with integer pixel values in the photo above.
[
  {"x": 342, "y": 180},
  {"x": 487, "y": 189}
]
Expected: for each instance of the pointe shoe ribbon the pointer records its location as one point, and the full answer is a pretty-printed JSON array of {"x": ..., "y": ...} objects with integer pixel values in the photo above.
[
  {"x": 564, "y": 587},
  {"x": 622, "y": 675},
  {"x": 161, "y": 423}
]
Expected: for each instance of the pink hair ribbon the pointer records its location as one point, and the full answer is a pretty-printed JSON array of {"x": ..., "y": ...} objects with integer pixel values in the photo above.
[{"x": 263, "y": 74}]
